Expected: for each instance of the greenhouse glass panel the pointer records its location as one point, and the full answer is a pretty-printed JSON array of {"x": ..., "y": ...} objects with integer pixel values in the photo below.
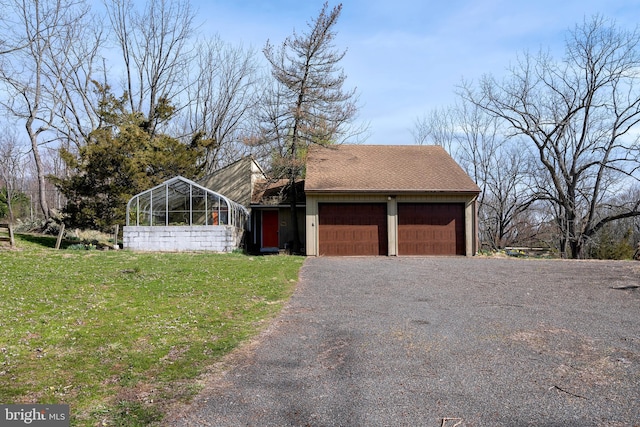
[
  {"x": 144, "y": 208},
  {"x": 224, "y": 214},
  {"x": 178, "y": 204},
  {"x": 159, "y": 205},
  {"x": 179, "y": 201},
  {"x": 199, "y": 206},
  {"x": 214, "y": 204}
]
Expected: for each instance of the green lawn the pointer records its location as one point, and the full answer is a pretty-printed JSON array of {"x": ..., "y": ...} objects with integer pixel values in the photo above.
[{"x": 117, "y": 334}]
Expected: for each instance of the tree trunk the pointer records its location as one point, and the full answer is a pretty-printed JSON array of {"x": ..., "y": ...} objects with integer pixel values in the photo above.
[
  {"x": 293, "y": 195},
  {"x": 562, "y": 243},
  {"x": 575, "y": 249},
  {"x": 40, "y": 171},
  {"x": 12, "y": 241},
  {"x": 572, "y": 235}
]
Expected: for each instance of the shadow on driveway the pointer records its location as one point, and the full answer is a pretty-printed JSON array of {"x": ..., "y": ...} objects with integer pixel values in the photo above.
[{"x": 440, "y": 342}]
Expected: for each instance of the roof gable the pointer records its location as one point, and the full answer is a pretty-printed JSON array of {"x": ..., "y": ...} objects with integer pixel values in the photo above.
[
  {"x": 385, "y": 168},
  {"x": 236, "y": 180}
]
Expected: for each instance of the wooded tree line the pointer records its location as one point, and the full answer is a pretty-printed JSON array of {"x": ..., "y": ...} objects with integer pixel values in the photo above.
[
  {"x": 117, "y": 100},
  {"x": 554, "y": 145}
]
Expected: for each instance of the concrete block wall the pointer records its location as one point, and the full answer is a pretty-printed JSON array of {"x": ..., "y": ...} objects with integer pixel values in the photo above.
[{"x": 213, "y": 238}]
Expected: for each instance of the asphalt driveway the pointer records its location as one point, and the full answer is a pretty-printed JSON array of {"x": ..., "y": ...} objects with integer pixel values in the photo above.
[{"x": 440, "y": 342}]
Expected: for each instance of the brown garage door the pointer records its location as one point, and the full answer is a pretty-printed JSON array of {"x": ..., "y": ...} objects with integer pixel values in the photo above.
[
  {"x": 431, "y": 229},
  {"x": 352, "y": 229}
]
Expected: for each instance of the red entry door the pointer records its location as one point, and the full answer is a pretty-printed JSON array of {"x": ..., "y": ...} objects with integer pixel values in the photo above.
[{"x": 270, "y": 229}]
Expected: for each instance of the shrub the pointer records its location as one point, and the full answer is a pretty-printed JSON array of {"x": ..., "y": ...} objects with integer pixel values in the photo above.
[{"x": 612, "y": 246}]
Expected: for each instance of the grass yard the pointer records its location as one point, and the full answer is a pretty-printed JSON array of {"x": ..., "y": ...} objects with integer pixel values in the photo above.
[{"x": 118, "y": 335}]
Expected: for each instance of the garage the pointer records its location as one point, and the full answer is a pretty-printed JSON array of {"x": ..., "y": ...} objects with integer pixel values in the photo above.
[
  {"x": 351, "y": 229},
  {"x": 394, "y": 200},
  {"x": 431, "y": 229}
]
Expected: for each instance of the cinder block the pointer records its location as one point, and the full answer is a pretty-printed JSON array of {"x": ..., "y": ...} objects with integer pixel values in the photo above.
[{"x": 217, "y": 238}]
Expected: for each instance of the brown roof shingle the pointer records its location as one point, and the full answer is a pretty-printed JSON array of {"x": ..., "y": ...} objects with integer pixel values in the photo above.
[{"x": 384, "y": 168}]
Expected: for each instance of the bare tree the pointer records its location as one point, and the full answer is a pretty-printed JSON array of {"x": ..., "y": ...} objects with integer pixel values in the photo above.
[
  {"x": 617, "y": 239},
  {"x": 307, "y": 104},
  {"x": 580, "y": 117},
  {"x": 38, "y": 65},
  {"x": 479, "y": 145},
  {"x": 499, "y": 167},
  {"x": 222, "y": 99},
  {"x": 506, "y": 198},
  {"x": 437, "y": 127},
  {"x": 154, "y": 44},
  {"x": 78, "y": 69},
  {"x": 11, "y": 166}
]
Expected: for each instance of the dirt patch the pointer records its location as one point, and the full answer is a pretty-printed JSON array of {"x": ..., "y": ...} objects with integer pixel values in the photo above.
[{"x": 576, "y": 361}]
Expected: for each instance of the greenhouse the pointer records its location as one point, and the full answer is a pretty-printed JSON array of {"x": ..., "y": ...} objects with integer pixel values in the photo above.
[{"x": 182, "y": 215}]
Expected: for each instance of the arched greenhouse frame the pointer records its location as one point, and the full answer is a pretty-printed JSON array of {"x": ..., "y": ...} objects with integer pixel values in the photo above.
[
  {"x": 180, "y": 201},
  {"x": 180, "y": 214}
]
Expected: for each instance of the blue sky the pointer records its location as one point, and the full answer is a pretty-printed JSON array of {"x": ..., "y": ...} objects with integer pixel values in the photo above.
[{"x": 406, "y": 56}]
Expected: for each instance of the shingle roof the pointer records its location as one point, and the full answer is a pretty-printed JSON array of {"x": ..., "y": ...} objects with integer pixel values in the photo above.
[
  {"x": 373, "y": 168},
  {"x": 268, "y": 192}
]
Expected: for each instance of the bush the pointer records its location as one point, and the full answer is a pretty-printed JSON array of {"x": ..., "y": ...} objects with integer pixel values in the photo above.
[
  {"x": 77, "y": 247},
  {"x": 49, "y": 227},
  {"x": 610, "y": 246},
  {"x": 90, "y": 239}
]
